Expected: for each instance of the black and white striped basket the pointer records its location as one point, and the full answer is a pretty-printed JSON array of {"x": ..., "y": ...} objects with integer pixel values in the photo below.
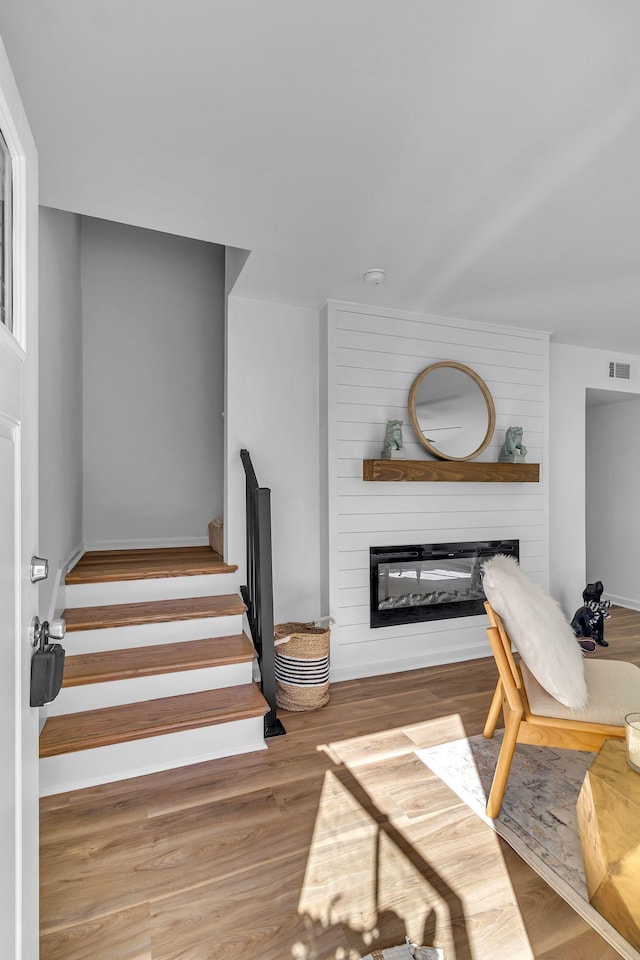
[{"x": 302, "y": 664}]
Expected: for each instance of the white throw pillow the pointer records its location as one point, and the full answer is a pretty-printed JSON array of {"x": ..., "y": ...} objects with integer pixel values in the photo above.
[{"x": 538, "y": 629}]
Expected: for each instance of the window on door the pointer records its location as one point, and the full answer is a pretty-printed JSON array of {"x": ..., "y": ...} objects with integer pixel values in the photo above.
[{"x": 6, "y": 236}]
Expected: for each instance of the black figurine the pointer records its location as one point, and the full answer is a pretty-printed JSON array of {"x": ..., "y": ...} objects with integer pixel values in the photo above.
[{"x": 588, "y": 620}]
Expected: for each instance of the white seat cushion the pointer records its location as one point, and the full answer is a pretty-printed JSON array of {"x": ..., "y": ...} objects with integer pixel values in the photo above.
[{"x": 613, "y": 687}]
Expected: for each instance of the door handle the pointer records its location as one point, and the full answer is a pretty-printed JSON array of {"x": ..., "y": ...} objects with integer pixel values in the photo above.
[{"x": 43, "y": 633}]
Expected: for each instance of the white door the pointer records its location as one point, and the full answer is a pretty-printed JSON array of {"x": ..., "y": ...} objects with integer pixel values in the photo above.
[{"x": 18, "y": 529}]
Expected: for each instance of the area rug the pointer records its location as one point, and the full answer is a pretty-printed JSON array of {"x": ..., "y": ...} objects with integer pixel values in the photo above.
[{"x": 538, "y": 817}]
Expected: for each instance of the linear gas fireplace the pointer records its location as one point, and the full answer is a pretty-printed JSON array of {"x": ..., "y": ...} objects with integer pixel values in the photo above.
[{"x": 432, "y": 581}]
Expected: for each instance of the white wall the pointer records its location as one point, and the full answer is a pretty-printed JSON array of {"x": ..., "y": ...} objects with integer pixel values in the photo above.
[
  {"x": 613, "y": 498},
  {"x": 373, "y": 358},
  {"x": 60, "y": 396},
  {"x": 572, "y": 371},
  {"x": 272, "y": 410},
  {"x": 153, "y": 347}
]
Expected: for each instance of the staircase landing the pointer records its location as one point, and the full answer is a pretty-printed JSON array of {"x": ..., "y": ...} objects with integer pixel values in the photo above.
[{"x": 104, "y": 566}]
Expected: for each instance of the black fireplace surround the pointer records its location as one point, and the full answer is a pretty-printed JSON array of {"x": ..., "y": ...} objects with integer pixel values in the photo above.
[{"x": 430, "y": 581}]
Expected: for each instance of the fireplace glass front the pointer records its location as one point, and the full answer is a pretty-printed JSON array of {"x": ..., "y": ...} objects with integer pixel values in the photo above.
[{"x": 433, "y": 581}]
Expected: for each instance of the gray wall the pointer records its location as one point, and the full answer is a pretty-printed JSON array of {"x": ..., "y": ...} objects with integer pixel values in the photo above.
[
  {"x": 613, "y": 497},
  {"x": 60, "y": 396},
  {"x": 153, "y": 347}
]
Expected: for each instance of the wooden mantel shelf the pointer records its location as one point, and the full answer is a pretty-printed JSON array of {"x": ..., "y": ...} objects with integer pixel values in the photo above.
[{"x": 450, "y": 470}]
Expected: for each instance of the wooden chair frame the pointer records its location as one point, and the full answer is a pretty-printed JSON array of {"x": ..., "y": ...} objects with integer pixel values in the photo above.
[{"x": 522, "y": 726}]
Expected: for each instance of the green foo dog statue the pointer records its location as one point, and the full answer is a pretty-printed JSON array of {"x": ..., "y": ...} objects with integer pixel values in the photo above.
[
  {"x": 513, "y": 449},
  {"x": 393, "y": 447}
]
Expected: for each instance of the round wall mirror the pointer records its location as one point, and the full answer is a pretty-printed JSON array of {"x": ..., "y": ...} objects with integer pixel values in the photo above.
[{"x": 451, "y": 411}]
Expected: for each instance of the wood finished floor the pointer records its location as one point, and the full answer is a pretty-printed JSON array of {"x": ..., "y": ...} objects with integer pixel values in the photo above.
[{"x": 334, "y": 840}]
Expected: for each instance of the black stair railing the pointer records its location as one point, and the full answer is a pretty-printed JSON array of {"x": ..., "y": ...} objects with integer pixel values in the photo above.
[{"x": 258, "y": 591}]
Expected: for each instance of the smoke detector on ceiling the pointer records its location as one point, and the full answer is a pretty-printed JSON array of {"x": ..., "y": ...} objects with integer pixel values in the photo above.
[{"x": 374, "y": 276}]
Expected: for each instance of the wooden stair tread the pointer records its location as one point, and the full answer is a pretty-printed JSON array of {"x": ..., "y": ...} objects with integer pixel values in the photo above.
[
  {"x": 103, "y": 566},
  {"x": 70, "y": 733},
  {"x": 152, "y": 611},
  {"x": 108, "y": 665}
]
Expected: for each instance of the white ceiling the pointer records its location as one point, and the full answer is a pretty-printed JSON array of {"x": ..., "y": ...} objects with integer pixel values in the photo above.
[{"x": 485, "y": 153}]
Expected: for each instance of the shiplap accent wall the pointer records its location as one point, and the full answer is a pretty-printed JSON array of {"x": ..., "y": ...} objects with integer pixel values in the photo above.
[{"x": 372, "y": 358}]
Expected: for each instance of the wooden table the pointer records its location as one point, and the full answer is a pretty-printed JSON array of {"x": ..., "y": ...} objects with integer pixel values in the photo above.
[{"x": 609, "y": 823}]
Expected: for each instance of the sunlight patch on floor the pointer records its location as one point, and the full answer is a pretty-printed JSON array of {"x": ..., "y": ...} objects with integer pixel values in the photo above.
[
  {"x": 358, "y": 879},
  {"x": 395, "y": 853}
]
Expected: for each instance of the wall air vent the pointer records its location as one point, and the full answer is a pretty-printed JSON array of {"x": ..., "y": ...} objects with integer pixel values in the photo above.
[{"x": 621, "y": 371}]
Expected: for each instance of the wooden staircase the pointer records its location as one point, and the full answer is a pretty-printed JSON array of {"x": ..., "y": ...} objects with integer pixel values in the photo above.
[{"x": 158, "y": 671}]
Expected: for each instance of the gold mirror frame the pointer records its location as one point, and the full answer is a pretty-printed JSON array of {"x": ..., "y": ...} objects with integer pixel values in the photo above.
[{"x": 491, "y": 410}]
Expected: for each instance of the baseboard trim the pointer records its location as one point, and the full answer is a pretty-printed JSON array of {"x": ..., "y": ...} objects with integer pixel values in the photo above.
[
  {"x": 357, "y": 671},
  {"x": 74, "y": 556},
  {"x": 151, "y": 543},
  {"x": 56, "y": 604},
  {"x": 624, "y": 602},
  {"x": 58, "y": 599}
]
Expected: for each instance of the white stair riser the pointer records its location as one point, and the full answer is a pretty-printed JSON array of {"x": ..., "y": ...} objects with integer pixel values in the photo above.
[
  {"x": 85, "y": 768},
  {"x": 143, "y": 634},
  {"x": 93, "y": 696},
  {"x": 157, "y": 588}
]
